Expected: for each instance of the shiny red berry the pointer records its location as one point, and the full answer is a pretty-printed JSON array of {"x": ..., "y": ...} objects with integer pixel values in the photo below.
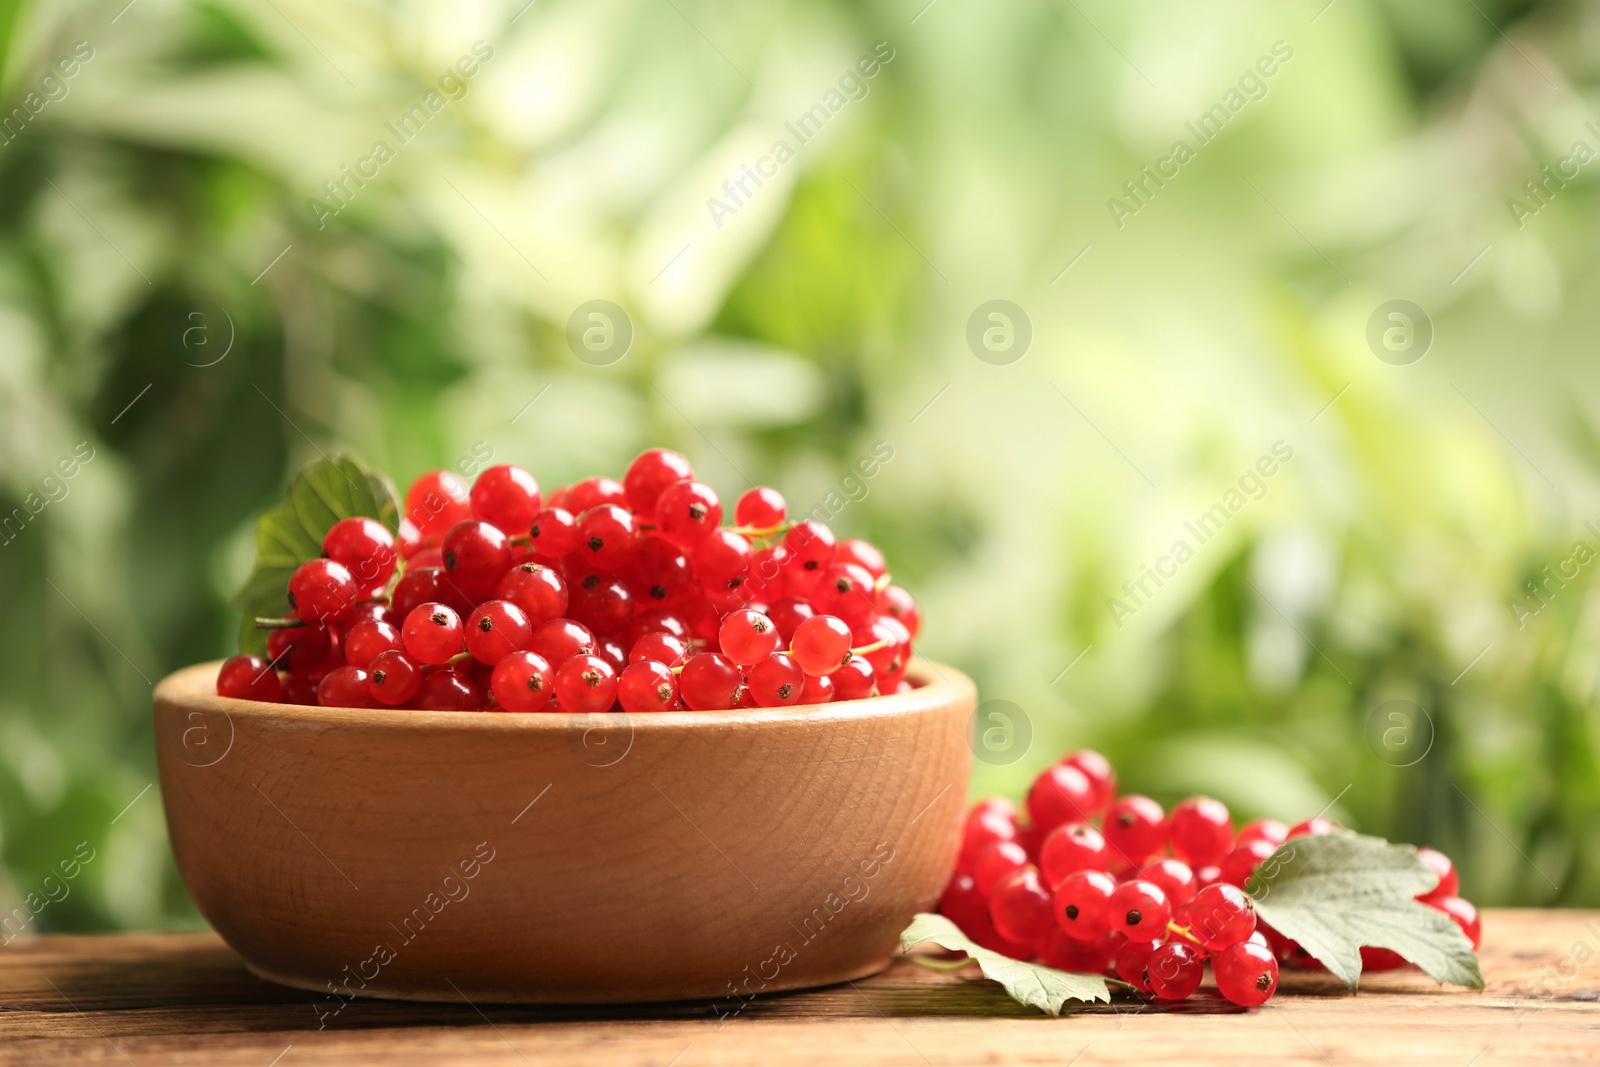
[
  {"x": 506, "y": 497},
  {"x": 1247, "y": 973},
  {"x": 559, "y": 640},
  {"x": 249, "y": 678},
  {"x": 1135, "y": 828},
  {"x": 1072, "y": 847},
  {"x": 1173, "y": 970},
  {"x": 1140, "y": 911},
  {"x": 553, "y": 533},
  {"x": 345, "y": 687},
  {"x": 323, "y": 590},
  {"x": 856, "y": 680},
  {"x": 366, "y": 641},
  {"x": 495, "y": 629},
  {"x": 365, "y": 547},
  {"x": 437, "y": 501},
  {"x": 1082, "y": 904},
  {"x": 1200, "y": 830},
  {"x": 761, "y": 507},
  {"x": 747, "y": 637},
  {"x": 647, "y": 685},
  {"x": 1020, "y": 907},
  {"x": 608, "y": 536},
  {"x": 709, "y": 682},
  {"x": 821, "y": 644},
  {"x": 1449, "y": 882},
  {"x": 538, "y": 590},
  {"x": 522, "y": 681},
  {"x": 1060, "y": 795},
  {"x": 777, "y": 682},
  {"x": 1175, "y": 877},
  {"x": 393, "y": 678},
  {"x": 649, "y": 474},
  {"x": 447, "y": 690},
  {"x": 586, "y": 685},
  {"x": 687, "y": 512},
  {"x": 476, "y": 557},
  {"x": 1221, "y": 915},
  {"x": 433, "y": 633},
  {"x": 996, "y": 863}
]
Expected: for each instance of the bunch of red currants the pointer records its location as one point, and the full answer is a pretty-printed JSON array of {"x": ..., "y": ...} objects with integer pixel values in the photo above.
[
  {"x": 497, "y": 598},
  {"x": 1091, "y": 882}
]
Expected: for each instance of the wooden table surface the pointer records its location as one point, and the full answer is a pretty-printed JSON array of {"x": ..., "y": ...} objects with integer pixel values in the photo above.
[{"x": 186, "y": 998}]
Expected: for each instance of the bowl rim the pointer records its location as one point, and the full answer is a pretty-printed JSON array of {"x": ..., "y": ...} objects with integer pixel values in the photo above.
[{"x": 937, "y": 686}]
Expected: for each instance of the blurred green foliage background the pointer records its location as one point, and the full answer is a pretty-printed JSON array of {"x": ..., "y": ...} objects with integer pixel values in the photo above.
[{"x": 175, "y": 304}]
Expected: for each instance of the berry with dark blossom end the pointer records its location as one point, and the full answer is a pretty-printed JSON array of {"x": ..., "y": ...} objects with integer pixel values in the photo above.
[
  {"x": 437, "y": 501},
  {"x": 747, "y": 637},
  {"x": 1130, "y": 959},
  {"x": 1221, "y": 915},
  {"x": 522, "y": 681},
  {"x": 660, "y": 571},
  {"x": 997, "y": 862},
  {"x": 1247, "y": 973},
  {"x": 365, "y": 641},
  {"x": 323, "y": 590},
  {"x": 761, "y": 507},
  {"x": 811, "y": 546},
  {"x": 249, "y": 678},
  {"x": 559, "y": 640},
  {"x": 393, "y": 678},
  {"x": 364, "y": 546},
  {"x": 709, "y": 682},
  {"x": 345, "y": 687},
  {"x": 448, "y": 690},
  {"x": 506, "y": 497},
  {"x": 821, "y": 644},
  {"x": 649, "y": 475},
  {"x": 776, "y": 682},
  {"x": 1072, "y": 847},
  {"x": 845, "y": 590},
  {"x": 608, "y": 536},
  {"x": 1173, "y": 970},
  {"x": 495, "y": 629},
  {"x": 433, "y": 633},
  {"x": 1019, "y": 907},
  {"x": 586, "y": 685},
  {"x": 309, "y": 651},
  {"x": 600, "y": 601},
  {"x": 553, "y": 532},
  {"x": 1139, "y": 911},
  {"x": 538, "y": 590},
  {"x": 1060, "y": 795},
  {"x": 1082, "y": 904},
  {"x": 721, "y": 561},
  {"x": 687, "y": 512},
  {"x": 476, "y": 557},
  {"x": 1135, "y": 828},
  {"x": 856, "y": 680},
  {"x": 1200, "y": 831},
  {"x": 647, "y": 685}
]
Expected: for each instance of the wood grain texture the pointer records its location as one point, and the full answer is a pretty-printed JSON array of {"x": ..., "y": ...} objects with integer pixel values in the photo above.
[
  {"x": 553, "y": 858},
  {"x": 188, "y": 999}
]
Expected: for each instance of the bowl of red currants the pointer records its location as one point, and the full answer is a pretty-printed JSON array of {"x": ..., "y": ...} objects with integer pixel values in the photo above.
[{"x": 603, "y": 744}]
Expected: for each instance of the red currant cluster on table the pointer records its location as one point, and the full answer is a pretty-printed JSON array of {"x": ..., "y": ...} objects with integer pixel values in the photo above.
[
  {"x": 1090, "y": 882},
  {"x": 603, "y": 593}
]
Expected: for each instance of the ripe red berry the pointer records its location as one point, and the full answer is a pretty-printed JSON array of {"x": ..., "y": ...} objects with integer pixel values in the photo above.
[
  {"x": 437, "y": 501},
  {"x": 1140, "y": 911},
  {"x": 821, "y": 644},
  {"x": 599, "y": 601},
  {"x": 1082, "y": 904},
  {"x": 365, "y": 641},
  {"x": 1244, "y": 859},
  {"x": 1066, "y": 953},
  {"x": 1440, "y": 864},
  {"x": 898, "y": 604},
  {"x": 1221, "y": 915},
  {"x": 856, "y": 680},
  {"x": 660, "y": 570},
  {"x": 393, "y": 678},
  {"x": 777, "y": 682},
  {"x": 787, "y": 613},
  {"x": 506, "y": 497},
  {"x": 1174, "y": 970},
  {"x": 985, "y": 825},
  {"x": 249, "y": 678},
  {"x": 649, "y": 474},
  {"x": 496, "y": 629},
  {"x": 1313, "y": 826},
  {"x": 1072, "y": 847},
  {"x": 1374, "y": 960},
  {"x": 1201, "y": 831},
  {"x": 660, "y": 646},
  {"x": 996, "y": 863},
  {"x": 818, "y": 689},
  {"x": 522, "y": 681},
  {"x": 594, "y": 492},
  {"x": 647, "y": 685},
  {"x": 1135, "y": 828},
  {"x": 893, "y": 653},
  {"x": 1175, "y": 877},
  {"x": 554, "y": 532},
  {"x": 845, "y": 590},
  {"x": 586, "y": 685},
  {"x": 1247, "y": 973},
  {"x": 811, "y": 547},
  {"x": 309, "y": 651},
  {"x": 538, "y": 590},
  {"x": 1019, "y": 907},
  {"x": 365, "y": 547},
  {"x": 433, "y": 633},
  {"x": 1058, "y": 796},
  {"x": 709, "y": 682},
  {"x": 721, "y": 561},
  {"x": 760, "y": 507},
  {"x": 607, "y": 537},
  {"x": 425, "y": 585},
  {"x": 345, "y": 687},
  {"x": 322, "y": 590},
  {"x": 863, "y": 554},
  {"x": 969, "y": 909},
  {"x": 1465, "y": 915},
  {"x": 447, "y": 690},
  {"x": 476, "y": 557},
  {"x": 687, "y": 512},
  {"x": 559, "y": 640},
  {"x": 1270, "y": 830},
  {"x": 747, "y": 637},
  {"x": 1130, "y": 960}
]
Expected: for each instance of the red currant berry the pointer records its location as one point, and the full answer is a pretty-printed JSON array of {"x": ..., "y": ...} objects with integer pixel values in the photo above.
[
  {"x": 308, "y": 650},
  {"x": 1072, "y": 847},
  {"x": 506, "y": 498},
  {"x": 1247, "y": 974},
  {"x": 393, "y": 678},
  {"x": 1082, "y": 904},
  {"x": 433, "y": 633},
  {"x": 687, "y": 512},
  {"x": 370, "y": 611},
  {"x": 448, "y": 690},
  {"x": 747, "y": 637},
  {"x": 1465, "y": 915},
  {"x": 538, "y": 590},
  {"x": 1374, "y": 960},
  {"x": 787, "y": 614},
  {"x": 649, "y": 474},
  {"x": 1175, "y": 877},
  {"x": 426, "y": 585},
  {"x": 594, "y": 492},
  {"x": 845, "y": 590},
  {"x": 1140, "y": 911},
  {"x": 1060, "y": 795},
  {"x": 660, "y": 570},
  {"x": 821, "y": 644},
  {"x": 709, "y": 682},
  {"x": 1019, "y": 907},
  {"x": 647, "y": 685},
  {"x": 1449, "y": 883},
  {"x": 900, "y": 605},
  {"x": 1130, "y": 960},
  {"x": 607, "y": 537},
  {"x": 1135, "y": 828},
  {"x": 996, "y": 863},
  {"x": 818, "y": 689},
  {"x": 1174, "y": 970},
  {"x": 559, "y": 640},
  {"x": 856, "y": 680},
  {"x": 659, "y": 646},
  {"x": 1066, "y": 953},
  {"x": 522, "y": 681},
  {"x": 249, "y": 678},
  {"x": 586, "y": 685},
  {"x": 969, "y": 909},
  {"x": 811, "y": 547},
  {"x": 364, "y": 546},
  {"x": 776, "y": 682},
  {"x": 554, "y": 532},
  {"x": 601, "y": 603},
  {"x": 476, "y": 556},
  {"x": 298, "y": 689},
  {"x": 1269, "y": 830},
  {"x": 1201, "y": 831},
  {"x": 760, "y": 508},
  {"x": 1221, "y": 915},
  {"x": 984, "y": 827},
  {"x": 322, "y": 590},
  {"x": 496, "y": 629},
  {"x": 863, "y": 554},
  {"x": 345, "y": 687},
  {"x": 367, "y": 640},
  {"x": 408, "y": 539},
  {"x": 721, "y": 561},
  {"x": 1313, "y": 826},
  {"x": 894, "y": 651},
  {"x": 437, "y": 501},
  {"x": 1238, "y": 865},
  {"x": 613, "y": 653}
]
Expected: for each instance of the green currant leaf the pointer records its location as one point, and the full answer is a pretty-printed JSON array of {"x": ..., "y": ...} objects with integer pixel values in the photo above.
[
  {"x": 1028, "y": 983},
  {"x": 325, "y": 491},
  {"x": 1334, "y": 893}
]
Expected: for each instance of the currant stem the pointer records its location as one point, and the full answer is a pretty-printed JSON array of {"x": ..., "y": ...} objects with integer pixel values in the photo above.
[
  {"x": 1183, "y": 932},
  {"x": 287, "y": 622},
  {"x": 763, "y": 531},
  {"x": 882, "y": 583},
  {"x": 875, "y": 646},
  {"x": 457, "y": 658},
  {"x": 522, "y": 541}
]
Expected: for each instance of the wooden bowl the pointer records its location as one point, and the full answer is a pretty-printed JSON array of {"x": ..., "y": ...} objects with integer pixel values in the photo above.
[{"x": 553, "y": 858}]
